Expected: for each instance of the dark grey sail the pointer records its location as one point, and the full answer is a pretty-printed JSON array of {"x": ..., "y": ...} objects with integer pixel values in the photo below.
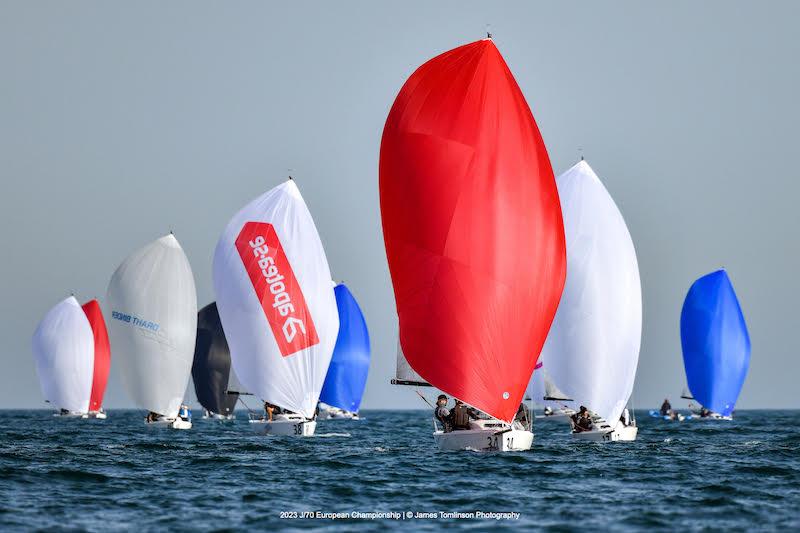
[{"x": 211, "y": 369}]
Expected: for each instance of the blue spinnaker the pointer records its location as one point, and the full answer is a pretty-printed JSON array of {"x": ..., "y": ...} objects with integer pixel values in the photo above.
[
  {"x": 347, "y": 374},
  {"x": 716, "y": 345}
]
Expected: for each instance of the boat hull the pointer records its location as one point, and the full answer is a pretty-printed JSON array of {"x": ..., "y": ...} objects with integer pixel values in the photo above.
[
  {"x": 486, "y": 436},
  {"x": 618, "y": 434},
  {"x": 295, "y": 426},
  {"x": 169, "y": 423}
]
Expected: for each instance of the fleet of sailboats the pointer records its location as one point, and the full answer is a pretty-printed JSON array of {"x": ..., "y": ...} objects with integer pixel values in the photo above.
[{"x": 507, "y": 282}]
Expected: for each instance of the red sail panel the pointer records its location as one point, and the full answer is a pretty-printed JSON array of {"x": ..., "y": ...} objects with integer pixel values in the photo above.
[
  {"x": 472, "y": 227},
  {"x": 102, "y": 353}
]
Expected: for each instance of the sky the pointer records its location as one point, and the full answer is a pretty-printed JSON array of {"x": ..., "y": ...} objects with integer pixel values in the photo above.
[{"x": 122, "y": 121}]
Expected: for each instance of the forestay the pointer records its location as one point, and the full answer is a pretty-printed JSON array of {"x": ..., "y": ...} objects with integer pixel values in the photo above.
[
  {"x": 715, "y": 341},
  {"x": 592, "y": 349},
  {"x": 63, "y": 350},
  {"x": 276, "y": 300},
  {"x": 153, "y": 324}
]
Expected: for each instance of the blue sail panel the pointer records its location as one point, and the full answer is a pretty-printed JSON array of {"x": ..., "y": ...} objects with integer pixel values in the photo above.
[
  {"x": 347, "y": 374},
  {"x": 715, "y": 342}
]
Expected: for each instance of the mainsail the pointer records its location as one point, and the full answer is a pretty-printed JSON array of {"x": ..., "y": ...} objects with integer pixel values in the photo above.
[
  {"x": 102, "y": 353},
  {"x": 716, "y": 345},
  {"x": 211, "y": 369},
  {"x": 63, "y": 349},
  {"x": 347, "y": 374},
  {"x": 276, "y": 301},
  {"x": 472, "y": 228},
  {"x": 153, "y": 324},
  {"x": 592, "y": 349}
]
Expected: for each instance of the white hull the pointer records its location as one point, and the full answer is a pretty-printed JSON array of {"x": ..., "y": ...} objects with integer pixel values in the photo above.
[
  {"x": 223, "y": 418},
  {"x": 169, "y": 423},
  {"x": 285, "y": 425},
  {"x": 485, "y": 436},
  {"x": 605, "y": 434},
  {"x": 70, "y": 416},
  {"x": 98, "y": 415},
  {"x": 712, "y": 416},
  {"x": 556, "y": 416},
  {"x": 336, "y": 414}
]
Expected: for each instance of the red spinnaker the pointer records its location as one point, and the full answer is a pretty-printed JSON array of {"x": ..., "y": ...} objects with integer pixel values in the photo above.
[
  {"x": 472, "y": 227},
  {"x": 102, "y": 353}
]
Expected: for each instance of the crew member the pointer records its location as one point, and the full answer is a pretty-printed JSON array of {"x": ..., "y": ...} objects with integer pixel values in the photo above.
[
  {"x": 442, "y": 413},
  {"x": 460, "y": 416},
  {"x": 582, "y": 421},
  {"x": 666, "y": 408}
]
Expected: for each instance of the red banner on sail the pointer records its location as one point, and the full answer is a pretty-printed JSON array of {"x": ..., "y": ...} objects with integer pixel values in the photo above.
[{"x": 276, "y": 287}]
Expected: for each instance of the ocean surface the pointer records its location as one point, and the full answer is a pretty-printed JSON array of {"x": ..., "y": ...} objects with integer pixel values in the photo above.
[{"x": 116, "y": 474}]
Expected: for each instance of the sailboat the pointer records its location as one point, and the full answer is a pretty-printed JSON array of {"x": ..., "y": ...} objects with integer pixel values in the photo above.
[
  {"x": 211, "y": 370},
  {"x": 592, "y": 350},
  {"x": 63, "y": 350},
  {"x": 474, "y": 239},
  {"x": 716, "y": 345},
  {"x": 341, "y": 393},
  {"x": 276, "y": 302},
  {"x": 557, "y": 405},
  {"x": 102, "y": 358},
  {"x": 152, "y": 328}
]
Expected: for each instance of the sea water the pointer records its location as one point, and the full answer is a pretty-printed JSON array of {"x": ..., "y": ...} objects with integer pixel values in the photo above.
[{"x": 384, "y": 472}]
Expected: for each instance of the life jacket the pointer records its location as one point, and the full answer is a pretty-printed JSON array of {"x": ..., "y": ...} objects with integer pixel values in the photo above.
[{"x": 460, "y": 416}]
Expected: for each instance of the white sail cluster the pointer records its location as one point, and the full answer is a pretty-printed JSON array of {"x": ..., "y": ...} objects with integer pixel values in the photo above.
[
  {"x": 153, "y": 324},
  {"x": 592, "y": 349},
  {"x": 63, "y": 349}
]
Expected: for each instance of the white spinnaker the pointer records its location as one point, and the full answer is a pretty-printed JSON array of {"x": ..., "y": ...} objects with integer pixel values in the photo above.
[
  {"x": 153, "y": 324},
  {"x": 63, "y": 349},
  {"x": 592, "y": 349},
  {"x": 293, "y": 380}
]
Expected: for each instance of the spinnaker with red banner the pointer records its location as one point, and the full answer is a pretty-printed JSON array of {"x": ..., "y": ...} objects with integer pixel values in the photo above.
[
  {"x": 474, "y": 237},
  {"x": 276, "y": 301},
  {"x": 102, "y": 358}
]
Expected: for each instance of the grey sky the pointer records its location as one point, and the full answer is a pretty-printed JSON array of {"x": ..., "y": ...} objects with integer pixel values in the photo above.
[{"x": 121, "y": 121}]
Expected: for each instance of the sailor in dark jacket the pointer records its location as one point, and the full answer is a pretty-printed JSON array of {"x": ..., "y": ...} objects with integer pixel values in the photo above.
[
  {"x": 442, "y": 413},
  {"x": 460, "y": 416}
]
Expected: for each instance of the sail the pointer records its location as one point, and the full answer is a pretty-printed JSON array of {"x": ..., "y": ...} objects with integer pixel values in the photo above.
[
  {"x": 716, "y": 345},
  {"x": 404, "y": 374},
  {"x": 63, "y": 349},
  {"x": 212, "y": 363},
  {"x": 102, "y": 353},
  {"x": 276, "y": 300},
  {"x": 153, "y": 324},
  {"x": 347, "y": 374},
  {"x": 542, "y": 389},
  {"x": 472, "y": 228},
  {"x": 592, "y": 350}
]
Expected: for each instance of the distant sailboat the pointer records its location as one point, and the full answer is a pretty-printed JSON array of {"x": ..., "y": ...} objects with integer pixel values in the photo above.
[
  {"x": 153, "y": 327},
  {"x": 347, "y": 373},
  {"x": 276, "y": 302},
  {"x": 211, "y": 370},
  {"x": 716, "y": 345},
  {"x": 592, "y": 350},
  {"x": 473, "y": 236},
  {"x": 102, "y": 358},
  {"x": 557, "y": 405},
  {"x": 63, "y": 350}
]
